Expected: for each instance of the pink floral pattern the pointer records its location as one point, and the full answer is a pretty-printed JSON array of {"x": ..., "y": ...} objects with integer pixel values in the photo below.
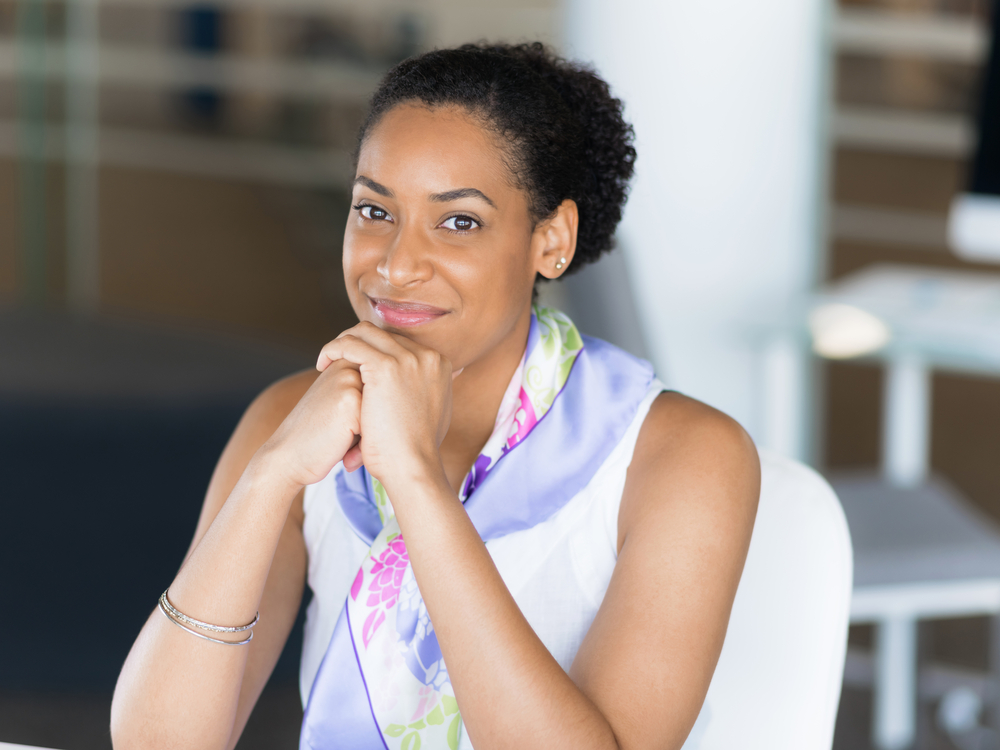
[
  {"x": 524, "y": 421},
  {"x": 387, "y": 577},
  {"x": 388, "y": 570}
]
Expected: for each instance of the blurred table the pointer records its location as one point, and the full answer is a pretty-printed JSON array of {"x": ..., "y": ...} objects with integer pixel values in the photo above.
[
  {"x": 921, "y": 550},
  {"x": 920, "y": 553}
]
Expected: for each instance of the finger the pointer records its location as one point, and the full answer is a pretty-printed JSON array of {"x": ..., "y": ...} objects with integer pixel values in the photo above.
[
  {"x": 351, "y": 348},
  {"x": 372, "y": 335},
  {"x": 352, "y": 459},
  {"x": 391, "y": 343},
  {"x": 409, "y": 344},
  {"x": 343, "y": 363}
]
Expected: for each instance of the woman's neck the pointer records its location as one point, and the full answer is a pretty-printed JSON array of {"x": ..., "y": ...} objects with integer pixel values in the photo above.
[{"x": 476, "y": 396}]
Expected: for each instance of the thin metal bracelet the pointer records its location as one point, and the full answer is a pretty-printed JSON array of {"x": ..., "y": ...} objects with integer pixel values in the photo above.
[
  {"x": 178, "y": 615},
  {"x": 202, "y": 635}
]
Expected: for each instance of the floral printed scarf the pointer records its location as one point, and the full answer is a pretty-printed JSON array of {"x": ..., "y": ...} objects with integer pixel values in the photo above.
[{"x": 383, "y": 682}]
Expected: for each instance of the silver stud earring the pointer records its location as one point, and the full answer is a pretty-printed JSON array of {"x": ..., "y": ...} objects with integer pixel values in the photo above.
[{"x": 560, "y": 264}]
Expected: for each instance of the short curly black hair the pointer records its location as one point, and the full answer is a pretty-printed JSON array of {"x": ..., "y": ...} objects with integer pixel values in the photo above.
[{"x": 566, "y": 131}]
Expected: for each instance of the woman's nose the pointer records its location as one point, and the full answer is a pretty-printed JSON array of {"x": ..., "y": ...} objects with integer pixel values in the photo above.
[{"x": 407, "y": 258}]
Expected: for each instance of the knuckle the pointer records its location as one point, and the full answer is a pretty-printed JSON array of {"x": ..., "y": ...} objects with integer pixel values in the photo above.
[
  {"x": 349, "y": 397},
  {"x": 343, "y": 375},
  {"x": 346, "y": 378}
]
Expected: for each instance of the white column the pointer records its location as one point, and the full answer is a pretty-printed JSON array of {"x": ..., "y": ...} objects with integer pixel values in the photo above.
[
  {"x": 785, "y": 366},
  {"x": 82, "y": 201},
  {"x": 906, "y": 417},
  {"x": 722, "y": 228},
  {"x": 895, "y": 721}
]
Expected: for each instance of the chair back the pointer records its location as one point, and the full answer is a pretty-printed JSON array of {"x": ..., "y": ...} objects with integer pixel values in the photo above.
[{"x": 778, "y": 681}]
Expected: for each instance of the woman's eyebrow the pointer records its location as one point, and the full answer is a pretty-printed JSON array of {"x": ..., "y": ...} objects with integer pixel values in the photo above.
[
  {"x": 372, "y": 185},
  {"x": 453, "y": 195}
]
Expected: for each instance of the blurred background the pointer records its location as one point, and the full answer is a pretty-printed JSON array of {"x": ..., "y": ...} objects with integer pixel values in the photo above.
[{"x": 173, "y": 192}]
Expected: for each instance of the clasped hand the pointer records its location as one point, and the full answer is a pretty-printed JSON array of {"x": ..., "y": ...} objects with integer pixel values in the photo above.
[{"x": 381, "y": 400}]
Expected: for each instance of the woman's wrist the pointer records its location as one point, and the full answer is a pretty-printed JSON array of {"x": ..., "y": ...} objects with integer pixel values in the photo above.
[
  {"x": 415, "y": 475},
  {"x": 271, "y": 466}
]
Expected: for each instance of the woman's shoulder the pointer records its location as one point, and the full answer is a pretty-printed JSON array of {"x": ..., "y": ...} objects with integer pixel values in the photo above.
[
  {"x": 259, "y": 422},
  {"x": 276, "y": 401},
  {"x": 267, "y": 411},
  {"x": 690, "y": 459},
  {"x": 678, "y": 422},
  {"x": 263, "y": 416}
]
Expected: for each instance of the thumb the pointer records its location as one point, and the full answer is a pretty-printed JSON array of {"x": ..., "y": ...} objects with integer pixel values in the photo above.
[{"x": 352, "y": 459}]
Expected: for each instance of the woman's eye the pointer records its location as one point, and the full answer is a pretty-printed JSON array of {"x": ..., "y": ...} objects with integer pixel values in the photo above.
[
  {"x": 373, "y": 213},
  {"x": 460, "y": 224}
]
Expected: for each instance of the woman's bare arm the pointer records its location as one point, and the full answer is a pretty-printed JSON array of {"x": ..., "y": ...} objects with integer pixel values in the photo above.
[
  {"x": 684, "y": 529},
  {"x": 248, "y": 553},
  {"x": 642, "y": 672}
]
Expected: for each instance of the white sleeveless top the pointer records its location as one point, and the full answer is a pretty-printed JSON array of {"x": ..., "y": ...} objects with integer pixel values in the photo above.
[{"x": 557, "y": 571}]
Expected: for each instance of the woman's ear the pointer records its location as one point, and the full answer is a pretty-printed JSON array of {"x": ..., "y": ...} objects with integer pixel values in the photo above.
[{"x": 553, "y": 242}]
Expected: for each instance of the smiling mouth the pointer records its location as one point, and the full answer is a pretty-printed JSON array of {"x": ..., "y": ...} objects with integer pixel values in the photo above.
[{"x": 405, "y": 314}]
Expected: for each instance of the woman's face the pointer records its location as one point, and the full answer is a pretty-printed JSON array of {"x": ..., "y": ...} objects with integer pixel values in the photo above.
[{"x": 439, "y": 243}]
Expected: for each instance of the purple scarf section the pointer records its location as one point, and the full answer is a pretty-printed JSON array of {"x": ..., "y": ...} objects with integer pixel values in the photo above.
[{"x": 527, "y": 486}]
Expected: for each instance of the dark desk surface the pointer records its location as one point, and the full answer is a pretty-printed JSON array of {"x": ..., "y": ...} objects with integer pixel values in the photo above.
[{"x": 109, "y": 432}]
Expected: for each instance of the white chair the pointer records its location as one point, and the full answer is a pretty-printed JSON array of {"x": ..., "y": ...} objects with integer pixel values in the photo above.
[{"x": 777, "y": 684}]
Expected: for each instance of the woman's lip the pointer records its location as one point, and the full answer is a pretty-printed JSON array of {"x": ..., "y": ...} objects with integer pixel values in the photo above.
[{"x": 405, "y": 314}]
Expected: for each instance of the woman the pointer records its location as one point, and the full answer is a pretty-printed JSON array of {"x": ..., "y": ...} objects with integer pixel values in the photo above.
[{"x": 580, "y": 595}]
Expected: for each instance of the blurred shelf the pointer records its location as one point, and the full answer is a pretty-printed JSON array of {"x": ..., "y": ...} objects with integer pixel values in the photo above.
[
  {"x": 279, "y": 5},
  {"x": 914, "y": 230},
  {"x": 903, "y": 131},
  {"x": 929, "y": 36},
  {"x": 853, "y": 31},
  {"x": 198, "y": 155},
  {"x": 935, "y": 37},
  {"x": 332, "y": 79},
  {"x": 937, "y": 135}
]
